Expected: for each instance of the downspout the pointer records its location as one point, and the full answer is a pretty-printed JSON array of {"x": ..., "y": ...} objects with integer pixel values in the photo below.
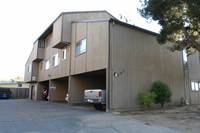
[
  {"x": 108, "y": 84},
  {"x": 189, "y": 86},
  {"x": 108, "y": 73},
  {"x": 184, "y": 71},
  {"x": 189, "y": 83}
]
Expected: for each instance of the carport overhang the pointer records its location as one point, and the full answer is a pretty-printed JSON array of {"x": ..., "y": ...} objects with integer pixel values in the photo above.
[{"x": 80, "y": 82}]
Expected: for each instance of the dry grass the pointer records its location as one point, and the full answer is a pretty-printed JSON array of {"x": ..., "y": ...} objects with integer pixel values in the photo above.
[{"x": 185, "y": 118}]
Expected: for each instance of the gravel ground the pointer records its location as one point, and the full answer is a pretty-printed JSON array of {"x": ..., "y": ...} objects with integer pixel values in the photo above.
[{"x": 185, "y": 118}]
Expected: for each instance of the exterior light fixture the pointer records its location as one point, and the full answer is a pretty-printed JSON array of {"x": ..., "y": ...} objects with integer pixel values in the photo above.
[{"x": 116, "y": 74}]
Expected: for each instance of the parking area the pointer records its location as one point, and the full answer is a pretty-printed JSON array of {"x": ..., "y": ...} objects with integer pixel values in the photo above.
[{"x": 26, "y": 116}]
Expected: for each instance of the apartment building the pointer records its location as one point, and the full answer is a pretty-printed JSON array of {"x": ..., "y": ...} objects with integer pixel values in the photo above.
[{"x": 84, "y": 50}]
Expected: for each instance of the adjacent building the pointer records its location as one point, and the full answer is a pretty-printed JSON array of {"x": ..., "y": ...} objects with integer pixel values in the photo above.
[
  {"x": 84, "y": 50},
  {"x": 18, "y": 88}
]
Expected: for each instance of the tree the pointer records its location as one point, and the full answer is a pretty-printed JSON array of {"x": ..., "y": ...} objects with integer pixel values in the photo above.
[
  {"x": 162, "y": 91},
  {"x": 180, "y": 22},
  {"x": 147, "y": 98}
]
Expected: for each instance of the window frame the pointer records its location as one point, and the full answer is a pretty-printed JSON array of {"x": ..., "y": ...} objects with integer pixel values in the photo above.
[
  {"x": 55, "y": 60},
  {"x": 195, "y": 85},
  {"x": 64, "y": 54},
  {"x": 41, "y": 44},
  {"x": 19, "y": 84},
  {"x": 47, "y": 64},
  {"x": 29, "y": 68},
  {"x": 81, "y": 47}
]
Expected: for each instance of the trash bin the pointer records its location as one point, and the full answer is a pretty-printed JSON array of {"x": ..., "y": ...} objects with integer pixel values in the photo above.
[{"x": 5, "y": 93}]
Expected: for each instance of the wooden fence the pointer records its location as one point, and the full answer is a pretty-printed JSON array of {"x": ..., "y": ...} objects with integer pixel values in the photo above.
[{"x": 19, "y": 93}]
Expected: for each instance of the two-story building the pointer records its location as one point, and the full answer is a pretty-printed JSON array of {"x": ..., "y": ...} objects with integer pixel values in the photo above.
[{"x": 92, "y": 49}]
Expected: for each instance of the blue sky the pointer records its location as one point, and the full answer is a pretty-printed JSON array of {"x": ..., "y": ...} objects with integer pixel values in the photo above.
[{"x": 23, "y": 21}]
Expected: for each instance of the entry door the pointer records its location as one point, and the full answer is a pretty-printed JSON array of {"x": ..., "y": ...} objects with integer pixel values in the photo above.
[{"x": 32, "y": 92}]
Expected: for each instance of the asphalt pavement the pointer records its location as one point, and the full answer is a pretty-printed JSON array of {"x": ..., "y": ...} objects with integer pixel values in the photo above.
[{"x": 27, "y": 116}]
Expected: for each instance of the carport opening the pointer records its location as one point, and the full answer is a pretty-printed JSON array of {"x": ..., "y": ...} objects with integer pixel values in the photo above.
[
  {"x": 43, "y": 90},
  {"x": 58, "y": 89},
  {"x": 80, "y": 83}
]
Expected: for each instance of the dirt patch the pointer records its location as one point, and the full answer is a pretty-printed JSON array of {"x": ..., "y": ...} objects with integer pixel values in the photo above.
[{"x": 185, "y": 118}]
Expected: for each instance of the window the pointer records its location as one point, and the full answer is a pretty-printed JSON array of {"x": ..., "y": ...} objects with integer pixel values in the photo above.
[
  {"x": 64, "y": 56},
  {"x": 19, "y": 85},
  {"x": 41, "y": 44},
  {"x": 49, "y": 41},
  {"x": 81, "y": 47},
  {"x": 55, "y": 60},
  {"x": 29, "y": 68},
  {"x": 195, "y": 85},
  {"x": 185, "y": 61},
  {"x": 47, "y": 64}
]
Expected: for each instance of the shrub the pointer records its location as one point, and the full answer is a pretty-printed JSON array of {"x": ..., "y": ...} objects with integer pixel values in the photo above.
[
  {"x": 147, "y": 98},
  {"x": 162, "y": 91}
]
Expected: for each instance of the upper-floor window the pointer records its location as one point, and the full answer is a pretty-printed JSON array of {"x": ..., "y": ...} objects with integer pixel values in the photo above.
[
  {"x": 185, "y": 60},
  {"x": 55, "y": 60},
  {"x": 195, "y": 85},
  {"x": 81, "y": 47},
  {"x": 41, "y": 44},
  {"x": 49, "y": 41},
  {"x": 29, "y": 68},
  {"x": 64, "y": 54},
  {"x": 47, "y": 64}
]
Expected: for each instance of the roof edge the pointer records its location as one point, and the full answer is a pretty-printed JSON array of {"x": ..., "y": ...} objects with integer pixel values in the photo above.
[
  {"x": 93, "y": 20},
  {"x": 62, "y": 13},
  {"x": 119, "y": 22},
  {"x": 133, "y": 26}
]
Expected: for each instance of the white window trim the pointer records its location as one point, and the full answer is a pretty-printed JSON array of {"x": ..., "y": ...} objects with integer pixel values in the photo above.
[
  {"x": 195, "y": 85},
  {"x": 64, "y": 54},
  {"x": 81, "y": 47},
  {"x": 29, "y": 68},
  {"x": 55, "y": 62},
  {"x": 47, "y": 64}
]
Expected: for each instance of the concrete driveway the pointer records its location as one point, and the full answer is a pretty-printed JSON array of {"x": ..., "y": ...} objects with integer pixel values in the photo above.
[{"x": 26, "y": 116}]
